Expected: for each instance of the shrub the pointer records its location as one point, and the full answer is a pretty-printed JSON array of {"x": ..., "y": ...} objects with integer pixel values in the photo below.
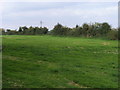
[{"x": 113, "y": 35}]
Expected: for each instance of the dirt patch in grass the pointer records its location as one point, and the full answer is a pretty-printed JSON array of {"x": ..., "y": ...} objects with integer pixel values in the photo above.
[
  {"x": 76, "y": 84},
  {"x": 82, "y": 47},
  {"x": 105, "y": 43},
  {"x": 72, "y": 83},
  {"x": 14, "y": 83},
  {"x": 107, "y": 52},
  {"x": 10, "y": 57},
  {"x": 7, "y": 57}
]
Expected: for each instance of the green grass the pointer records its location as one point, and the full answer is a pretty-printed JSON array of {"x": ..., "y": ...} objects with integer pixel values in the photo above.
[{"x": 59, "y": 62}]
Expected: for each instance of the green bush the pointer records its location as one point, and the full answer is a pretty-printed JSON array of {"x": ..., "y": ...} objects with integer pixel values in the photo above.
[{"x": 113, "y": 35}]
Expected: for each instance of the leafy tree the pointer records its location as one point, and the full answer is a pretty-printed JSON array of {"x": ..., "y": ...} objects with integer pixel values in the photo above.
[
  {"x": 44, "y": 30},
  {"x": 105, "y": 28},
  {"x": 20, "y": 29},
  {"x": 57, "y": 30},
  {"x": 24, "y": 29},
  {"x": 60, "y": 30},
  {"x": 77, "y": 26},
  {"x": 2, "y": 31},
  {"x": 85, "y": 29},
  {"x": 8, "y": 30},
  {"x": 112, "y": 35},
  {"x": 90, "y": 32}
]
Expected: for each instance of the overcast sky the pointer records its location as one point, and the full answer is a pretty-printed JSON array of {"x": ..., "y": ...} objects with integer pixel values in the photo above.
[{"x": 15, "y": 14}]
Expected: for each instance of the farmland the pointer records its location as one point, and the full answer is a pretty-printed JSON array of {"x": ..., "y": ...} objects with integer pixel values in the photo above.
[{"x": 59, "y": 62}]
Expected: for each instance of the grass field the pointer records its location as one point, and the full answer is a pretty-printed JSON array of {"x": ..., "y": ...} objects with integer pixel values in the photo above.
[{"x": 59, "y": 62}]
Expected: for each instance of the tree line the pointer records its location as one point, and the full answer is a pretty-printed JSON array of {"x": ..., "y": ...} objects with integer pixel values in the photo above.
[
  {"x": 86, "y": 30},
  {"x": 26, "y": 31}
]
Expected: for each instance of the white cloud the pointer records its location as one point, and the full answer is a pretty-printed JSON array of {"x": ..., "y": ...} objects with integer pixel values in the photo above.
[
  {"x": 69, "y": 15},
  {"x": 59, "y": 0},
  {"x": 68, "y": 11}
]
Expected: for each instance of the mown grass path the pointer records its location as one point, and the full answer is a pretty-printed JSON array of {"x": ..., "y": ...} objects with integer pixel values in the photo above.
[{"x": 59, "y": 62}]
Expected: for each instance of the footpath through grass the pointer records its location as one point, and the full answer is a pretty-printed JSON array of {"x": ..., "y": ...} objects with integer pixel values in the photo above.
[{"x": 59, "y": 62}]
